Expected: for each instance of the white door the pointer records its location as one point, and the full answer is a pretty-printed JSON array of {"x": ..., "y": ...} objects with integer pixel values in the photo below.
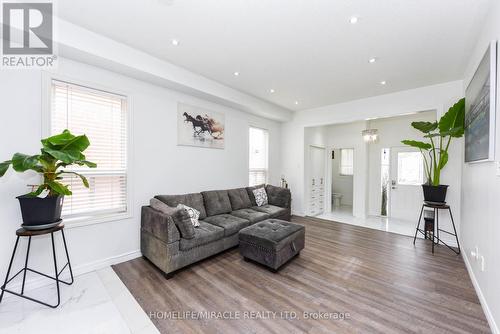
[
  {"x": 407, "y": 175},
  {"x": 317, "y": 181}
]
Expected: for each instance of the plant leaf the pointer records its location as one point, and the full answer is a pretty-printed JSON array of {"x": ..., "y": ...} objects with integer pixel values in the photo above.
[
  {"x": 4, "y": 166},
  {"x": 38, "y": 191},
  {"x": 59, "y": 140},
  {"x": 425, "y": 127},
  {"x": 66, "y": 156},
  {"x": 58, "y": 188},
  {"x": 418, "y": 144},
  {"x": 84, "y": 179},
  {"x": 89, "y": 164},
  {"x": 454, "y": 117},
  {"x": 443, "y": 160},
  {"x": 22, "y": 162}
]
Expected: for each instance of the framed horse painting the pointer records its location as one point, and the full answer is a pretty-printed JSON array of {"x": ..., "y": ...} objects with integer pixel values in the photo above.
[{"x": 199, "y": 127}]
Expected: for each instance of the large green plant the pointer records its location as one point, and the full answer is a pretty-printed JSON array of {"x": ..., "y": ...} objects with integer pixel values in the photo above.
[
  {"x": 439, "y": 135},
  {"x": 58, "y": 152}
]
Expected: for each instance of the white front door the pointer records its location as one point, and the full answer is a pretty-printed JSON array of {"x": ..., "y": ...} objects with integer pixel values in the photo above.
[
  {"x": 407, "y": 176},
  {"x": 317, "y": 181}
]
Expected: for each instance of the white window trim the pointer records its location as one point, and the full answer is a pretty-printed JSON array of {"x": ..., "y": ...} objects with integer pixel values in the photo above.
[
  {"x": 47, "y": 78},
  {"x": 268, "y": 151}
]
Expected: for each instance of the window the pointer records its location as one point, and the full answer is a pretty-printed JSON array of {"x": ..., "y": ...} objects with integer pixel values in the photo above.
[
  {"x": 346, "y": 161},
  {"x": 103, "y": 118},
  {"x": 410, "y": 168},
  {"x": 258, "y": 149}
]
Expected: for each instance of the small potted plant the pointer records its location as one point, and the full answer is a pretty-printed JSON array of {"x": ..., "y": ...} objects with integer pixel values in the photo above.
[
  {"x": 57, "y": 154},
  {"x": 435, "y": 150}
]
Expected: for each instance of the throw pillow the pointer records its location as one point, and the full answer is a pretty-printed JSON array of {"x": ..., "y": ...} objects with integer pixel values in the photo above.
[
  {"x": 162, "y": 207},
  {"x": 260, "y": 196},
  {"x": 194, "y": 214},
  {"x": 183, "y": 222}
]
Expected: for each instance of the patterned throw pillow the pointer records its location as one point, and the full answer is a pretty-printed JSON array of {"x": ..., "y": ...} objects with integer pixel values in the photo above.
[
  {"x": 260, "y": 196},
  {"x": 194, "y": 214}
]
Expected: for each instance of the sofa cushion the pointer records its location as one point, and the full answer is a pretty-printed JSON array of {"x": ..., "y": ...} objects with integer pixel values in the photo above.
[
  {"x": 204, "y": 234},
  {"x": 278, "y": 196},
  {"x": 239, "y": 199},
  {"x": 162, "y": 207},
  {"x": 251, "y": 215},
  {"x": 271, "y": 210},
  {"x": 230, "y": 224},
  {"x": 193, "y": 200},
  {"x": 216, "y": 202},
  {"x": 183, "y": 222}
]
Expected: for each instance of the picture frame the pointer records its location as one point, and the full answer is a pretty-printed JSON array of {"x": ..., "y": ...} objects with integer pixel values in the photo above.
[
  {"x": 200, "y": 127},
  {"x": 480, "y": 109}
]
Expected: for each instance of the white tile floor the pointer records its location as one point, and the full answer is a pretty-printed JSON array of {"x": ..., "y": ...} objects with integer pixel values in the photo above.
[
  {"x": 344, "y": 215},
  {"x": 98, "y": 302}
]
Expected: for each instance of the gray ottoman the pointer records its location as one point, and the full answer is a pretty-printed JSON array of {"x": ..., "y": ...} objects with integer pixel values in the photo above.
[{"x": 271, "y": 242}]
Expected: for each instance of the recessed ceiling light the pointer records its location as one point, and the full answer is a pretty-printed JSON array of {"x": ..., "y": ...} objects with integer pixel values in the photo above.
[
  {"x": 372, "y": 60},
  {"x": 296, "y": 102},
  {"x": 353, "y": 19},
  {"x": 236, "y": 74},
  {"x": 175, "y": 42},
  {"x": 271, "y": 91},
  {"x": 383, "y": 82}
]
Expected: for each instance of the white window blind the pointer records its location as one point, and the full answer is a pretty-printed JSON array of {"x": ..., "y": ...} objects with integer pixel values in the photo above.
[
  {"x": 347, "y": 161},
  {"x": 101, "y": 116},
  {"x": 258, "y": 157}
]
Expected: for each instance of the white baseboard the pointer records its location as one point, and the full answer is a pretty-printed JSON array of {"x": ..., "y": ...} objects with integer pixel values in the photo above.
[
  {"x": 38, "y": 282},
  {"x": 297, "y": 213},
  {"x": 482, "y": 300}
]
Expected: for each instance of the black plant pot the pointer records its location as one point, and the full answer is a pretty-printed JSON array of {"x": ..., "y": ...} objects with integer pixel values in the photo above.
[
  {"x": 40, "y": 211},
  {"x": 435, "y": 193}
]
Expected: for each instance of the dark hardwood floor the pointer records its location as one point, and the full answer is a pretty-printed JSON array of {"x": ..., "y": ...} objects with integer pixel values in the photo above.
[{"x": 379, "y": 281}]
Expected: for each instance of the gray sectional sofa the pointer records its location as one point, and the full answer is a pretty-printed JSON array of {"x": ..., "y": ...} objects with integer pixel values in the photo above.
[{"x": 223, "y": 213}]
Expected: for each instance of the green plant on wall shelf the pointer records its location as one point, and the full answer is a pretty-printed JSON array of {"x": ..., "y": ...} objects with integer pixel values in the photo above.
[
  {"x": 439, "y": 135},
  {"x": 58, "y": 152}
]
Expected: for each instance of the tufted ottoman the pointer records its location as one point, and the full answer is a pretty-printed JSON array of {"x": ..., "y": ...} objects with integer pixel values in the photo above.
[{"x": 271, "y": 242}]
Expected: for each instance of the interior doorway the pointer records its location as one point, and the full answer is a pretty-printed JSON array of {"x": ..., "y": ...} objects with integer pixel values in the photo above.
[{"x": 342, "y": 177}]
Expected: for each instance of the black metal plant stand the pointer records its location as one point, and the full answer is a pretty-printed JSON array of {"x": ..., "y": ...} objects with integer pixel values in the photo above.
[
  {"x": 435, "y": 235},
  {"x": 31, "y": 233}
]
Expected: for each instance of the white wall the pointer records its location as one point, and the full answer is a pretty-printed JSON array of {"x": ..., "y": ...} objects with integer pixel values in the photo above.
[
  {"x": 341, "y": 184},
  {"x": 159, "y": 165},
  {"x": 437, "y": 97},
  {"x": 480, "y": 199}
]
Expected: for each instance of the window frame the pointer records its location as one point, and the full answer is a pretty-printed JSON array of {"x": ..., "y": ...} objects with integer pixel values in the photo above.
[
  {"x": 422, "y": 170},
  {"x": 340, "y": 162},
  {"x": 47, "y": 78},
  {"x": 251, "y": 126}
]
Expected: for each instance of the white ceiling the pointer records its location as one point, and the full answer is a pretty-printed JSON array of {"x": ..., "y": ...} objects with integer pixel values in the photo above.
[{"x": 304, "y": 49}]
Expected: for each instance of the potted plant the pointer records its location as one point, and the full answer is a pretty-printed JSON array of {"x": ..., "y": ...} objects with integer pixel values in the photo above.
[
  {"x": 57, "y": 154},
  {"x": 435, "y": 150}
]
